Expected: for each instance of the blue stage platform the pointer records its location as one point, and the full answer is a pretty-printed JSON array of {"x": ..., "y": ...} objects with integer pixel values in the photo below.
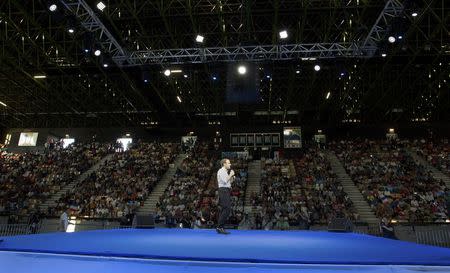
[{"x": 185, "y": 250}]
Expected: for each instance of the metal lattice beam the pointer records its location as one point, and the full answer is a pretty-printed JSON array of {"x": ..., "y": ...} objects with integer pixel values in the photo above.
[
  {"x": 392, "y": 9},
  {"x": 90, "y": 21},
  {"x": 246, "y": 53}
]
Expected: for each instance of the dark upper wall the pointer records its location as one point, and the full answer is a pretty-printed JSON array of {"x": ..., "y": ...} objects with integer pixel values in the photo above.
[{"x": 209, "y": 132}]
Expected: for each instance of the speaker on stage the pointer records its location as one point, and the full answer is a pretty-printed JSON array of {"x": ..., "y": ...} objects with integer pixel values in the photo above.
[
  {"x": 340, "y": 225},
  {"x": 143, "y": 221}
]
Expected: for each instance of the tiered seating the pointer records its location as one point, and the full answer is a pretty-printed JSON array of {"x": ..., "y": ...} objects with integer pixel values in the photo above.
[
  {"x": 437, "y": 153},
  {"x": 122, "y": 183},
  {"x": 393, "y": 184},
  {"x": 28, "y": 179},
  {"x": 300, "y": 192},
  {"x": 182, "y": 198},
  {"x": 272, "y": 204},
  {"x": 210, "y": 194},
  {"x": 318, "y": 192}
]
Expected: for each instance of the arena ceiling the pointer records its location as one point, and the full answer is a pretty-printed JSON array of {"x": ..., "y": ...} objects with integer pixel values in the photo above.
[{"x": 355, "y": 84}]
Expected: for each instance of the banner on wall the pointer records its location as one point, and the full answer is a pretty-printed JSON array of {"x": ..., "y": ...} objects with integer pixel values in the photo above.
[
  {"x": 230, "y": 155},
  {"x": 292, "y": 137},
  {"x": 28, "y": 139},
  {"x": 188, "y": 142}
]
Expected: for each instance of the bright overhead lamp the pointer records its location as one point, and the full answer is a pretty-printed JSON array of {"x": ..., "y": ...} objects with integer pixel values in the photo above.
[
  {"x": 176, "y": 71},
  {"x": 283, "y": 34},
  {"x": 71, "y": 30},
  {"x": 383, "y": 55},
  {"x": 199, "y": 38},
  {"x": 167, "y": 72},
  {"x": 179, "y": 99},
  {"x": 105, "y": 65},
  {"x": 317, "y": 67},
  {"x": 2, "y": 103},
  {"x": 53, "y": 7},
  {"x": 328, "y": 95},
  {"x": 414, "y": 14},
  {"x": 391, "y": 39},
  {"x": 97, "y": 52},
  {"x": 39, "y": 76},
  {"x": 101, "y": 6},
  {"x": 242, "y": 69}
]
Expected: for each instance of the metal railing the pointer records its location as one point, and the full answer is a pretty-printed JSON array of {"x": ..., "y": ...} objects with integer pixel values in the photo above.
[
  {"x": 15, "y": 229},
  {"x": 434, "y": 237}
]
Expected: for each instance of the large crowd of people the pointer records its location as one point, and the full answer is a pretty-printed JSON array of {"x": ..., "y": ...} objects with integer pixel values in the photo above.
[
  {"x": 190, "y": 199},
  {"x": 121, "y": 184},
  {"x": 299, "y": 192},
  {"x": 27, "y": 179},
  {"x": 394, "y": 185},
  {"x": 182, "y": 197},
  {"x": 437, "y": 153}
]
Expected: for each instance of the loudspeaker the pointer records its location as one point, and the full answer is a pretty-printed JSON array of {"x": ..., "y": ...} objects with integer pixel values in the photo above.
[
  {"x": 340, "y": 225},
  {"x": 143, "y": 221}
]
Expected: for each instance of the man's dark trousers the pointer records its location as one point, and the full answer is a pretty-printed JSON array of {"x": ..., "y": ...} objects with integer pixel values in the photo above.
[{"x": 225, "y": 205}]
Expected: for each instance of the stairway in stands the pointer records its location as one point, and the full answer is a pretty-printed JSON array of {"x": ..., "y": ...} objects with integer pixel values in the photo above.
[
  {"x": 438, "y": 175},
  {"x": 151, "y": 201},
  {"x": 365, "y": 212},
  {"x": 51, "y": 201},
  {"x": 253, "y": 182}
]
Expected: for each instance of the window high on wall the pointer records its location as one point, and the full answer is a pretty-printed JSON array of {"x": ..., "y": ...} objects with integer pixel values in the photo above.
[
  {"x": 67, "y": 141},
  {"x": 125, "y": 142},
  {"x": 7, "y": 139},
  {"x": 28, "y": 139}
]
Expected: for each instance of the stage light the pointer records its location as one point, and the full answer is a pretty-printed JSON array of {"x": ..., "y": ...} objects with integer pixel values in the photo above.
[
  {"x": 328, "y": 95},
  {"x": 414, "y": 14},
  {"x": 283, "y": 34},
  {"x": 167, "y": 72},
  {"x": 214, "y": 78},
  {"x": 242, "y": 69},
  {"x": 383, "y": 55},
  {"x": 97, "y": 52},
  {"x": 268, "y": 76},
  {"x": 146, "y": 81},
  {"x": 39, "y": 76},
  {"x": 179, "y": 99},
  {"x": 86, "y": 50},
  {"x": 297, "y": 72},
  {"x": 199, "y": 39},
  {"x": 71, "y": 30},
  {"x": 101, "y": 6},
  {"x": 105, "y": 65},
  {"x": 391, "y": 39},
  {"x": 53, "y": 7},
  {"x": 2, "y": 103},
  {"x": 185, "y": 75},
  {"x": 400, "y": 37},
  {"x": 317, "y": 67}
]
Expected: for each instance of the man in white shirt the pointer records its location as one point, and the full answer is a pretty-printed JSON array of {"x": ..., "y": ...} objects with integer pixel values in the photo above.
[
  {"x": 224, "y": 180},
  {"x": 64, "y": 221}
]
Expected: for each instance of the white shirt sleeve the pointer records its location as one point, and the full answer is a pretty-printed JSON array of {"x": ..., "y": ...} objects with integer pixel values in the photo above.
[{"x": 222, "y": 178}]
